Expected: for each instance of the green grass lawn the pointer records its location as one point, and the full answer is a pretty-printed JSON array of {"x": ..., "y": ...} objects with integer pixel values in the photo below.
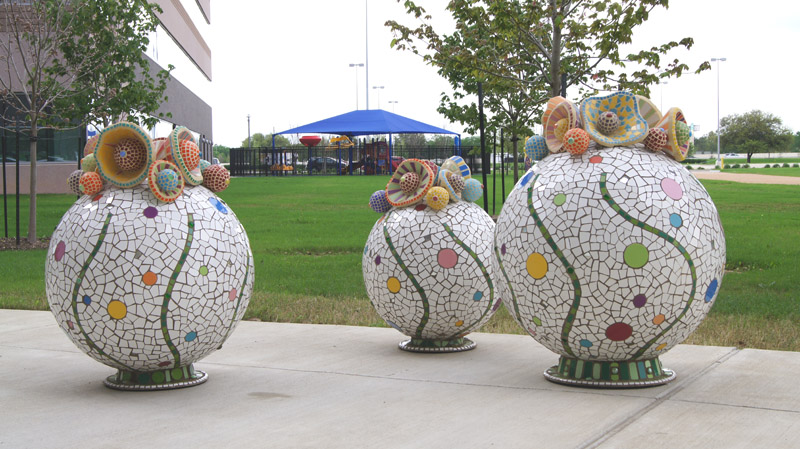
[{"x": 308, "y": 234}]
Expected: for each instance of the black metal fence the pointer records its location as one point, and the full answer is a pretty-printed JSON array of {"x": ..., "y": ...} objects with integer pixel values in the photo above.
[{"x": 369, "y": 159}]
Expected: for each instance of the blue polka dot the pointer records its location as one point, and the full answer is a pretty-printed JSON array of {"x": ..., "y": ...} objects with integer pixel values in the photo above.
[
  {"x": 523, "y": 182},
  {"x": 190, "y": 336},
  {"x": 675, "y": 220},
  {"x": 218, "y": 205},
  {"x": 712, "y": 289},
  {"x": 586, "y": 343},
  {"x": 123, "y": 153},
  {"x": 87, "y": 300},
  {"x": 477, "y": 296}
]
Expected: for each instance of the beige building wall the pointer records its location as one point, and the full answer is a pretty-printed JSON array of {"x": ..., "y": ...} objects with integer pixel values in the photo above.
[{"x": 52, "y": 177}]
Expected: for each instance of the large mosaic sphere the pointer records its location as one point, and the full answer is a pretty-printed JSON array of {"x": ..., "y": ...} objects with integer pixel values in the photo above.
[
  {"x": 609, "y": 258},
  {"x": 149, "y": 287},
  {"x": 428, "y": 274}
]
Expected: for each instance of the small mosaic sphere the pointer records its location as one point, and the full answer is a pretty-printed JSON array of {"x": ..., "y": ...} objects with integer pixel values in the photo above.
[
  {"x": 167, "y": 180},
  {"x": 576, "y": 141},
  {"x": 456, "y": 182},
  {"x": 90, "y": 183},
  {"x": 89, "y": 163},
  {"x": 130, "y": 154},
  {"x": 561, "y": 128},
  {"x": 656, "y": 139},
  {"x": 90, "y": 145},
  {"x": 615, "y": 256},
  {"x": 437, "y": 198},
  {"x": 409, "y": 182},
  {"x": 204, "y": 164},
  {"x": 536, "y": 148},
  {"x": 379, "y": 202},
  {"x": 428, "y": 272},
  {"x": 147, "y": 287},
  {"x": 607, "y": 122},
  {"x": 190, "y": 154},
  {"x": 682, "y": 133},
  {"x": 74, "y": 182},
  {"x": 216, "y": 178},
  {"x": 473, "y": 190}
]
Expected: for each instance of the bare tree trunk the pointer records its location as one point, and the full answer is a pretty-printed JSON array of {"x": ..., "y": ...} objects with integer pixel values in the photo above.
[
  {"x": 516, "y": 156},
  {"x": 32, "y": 206},
  {"x": 555, "y": 57}
]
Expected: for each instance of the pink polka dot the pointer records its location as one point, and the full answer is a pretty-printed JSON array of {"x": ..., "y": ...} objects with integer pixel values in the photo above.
[
  {"x": 61, "y": 248},
  {"x": 232, "y": 295},
  {"x": 671, "y": 188},
  {"x": 447, "y": 258},
  {"x": 596, "y": 159}
]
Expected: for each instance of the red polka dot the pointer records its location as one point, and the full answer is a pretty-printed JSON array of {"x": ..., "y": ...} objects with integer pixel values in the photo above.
[
  {"x": 232, "y": 295},
  {"x": 61, "y": 248},
  {"x": 619, "y": 331},
  {"x": 420, "y": 207},
  {"x": 596, "y": 159},
  {"x": 447, "y": 258}
]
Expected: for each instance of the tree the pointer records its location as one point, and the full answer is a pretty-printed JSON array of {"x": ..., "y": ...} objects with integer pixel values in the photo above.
[
  {"x": 259, "y": 140},
  {"x": 707, "y": 143},
  {"x": 222, "y": 153},
  {"x": 411, "y": 140},
  {"x": 796, "y": 142},
  {"x": 522, "y": 51},
  {"x": 754, "y": 132},
  {"x": 53, "y": 74}
]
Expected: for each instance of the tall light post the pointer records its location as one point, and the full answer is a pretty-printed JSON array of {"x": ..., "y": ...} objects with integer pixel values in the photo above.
[
  {"x": 249, "y": 144},
  {"x": 379, "y": 94},
  {"x": 393, "y": 102},
  {"x": 718, "y": 60},
  {"x": 357, "y": 66},
  {"x": 661, "y": 102}
]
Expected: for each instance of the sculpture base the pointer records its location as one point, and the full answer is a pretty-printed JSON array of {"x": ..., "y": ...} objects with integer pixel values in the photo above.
[
  {"x": 604, "y": 374},
  {"x": 425, "y": 345},
  {"x": 166, "y": 379}
]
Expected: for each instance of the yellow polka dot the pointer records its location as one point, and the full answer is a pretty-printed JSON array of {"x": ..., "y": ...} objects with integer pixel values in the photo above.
[
  {"x": 537, "y": 266},
  {"x": 117, "y": 310},
  {"x": 659, "y": 319},
  {"x": 393, "y": 284},
  {"x": 661, "y": 346},
  {"x": 459, "y": 323}
]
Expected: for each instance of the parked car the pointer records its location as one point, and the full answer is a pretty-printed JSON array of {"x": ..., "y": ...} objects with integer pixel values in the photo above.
[
  {"x": 317, "y": 164},
  {"x": 732, "y": 155}
]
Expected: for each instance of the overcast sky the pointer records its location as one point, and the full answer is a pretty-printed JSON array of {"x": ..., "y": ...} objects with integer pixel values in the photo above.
[{"x": 287, "y": 63}]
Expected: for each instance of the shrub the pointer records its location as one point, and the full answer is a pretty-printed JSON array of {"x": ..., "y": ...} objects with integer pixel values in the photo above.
[
  {"x": 766, "y": 166},
  {"x": 689, "y": 167},
  {"x": 700, "y": 167},
  {"x": 736, "y": 166},
  {"x": 746, "y": 166},
  {"x": 785, "y": 165},
  {"x": 796, "y": 165},
  {"x": 776, "y": 165}
]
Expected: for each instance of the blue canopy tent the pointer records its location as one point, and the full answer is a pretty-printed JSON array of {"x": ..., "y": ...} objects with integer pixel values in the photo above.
[{"x": 370, "y": 122}]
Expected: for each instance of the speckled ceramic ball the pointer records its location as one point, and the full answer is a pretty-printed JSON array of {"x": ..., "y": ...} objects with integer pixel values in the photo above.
[
  {"x": 473, "y": 190},
  {"x": 130, "y": 154},
  {"x": 216, "y": 178},
  {"x": 536, "y": 148},
  {"x": 428, "y": 274},
  {"x": 204, "y": 164},
  {"x": 656, "y": 139},
  {"x": 456, "y": 181},
  {"x": 437, "y": 198},
  {"x": 74, "y": 182},
  {"x": 576, "y": 141},
  {"x": 609, "y": 259},
  {"x": 148, "y": 287},
  {"x": 167, "y": 179},
  {"x": 409, "y": 182},
  {"x": 607, "y": 122},
  {"x": 378, "y": 202},
  {"x": 89, "y": 163},
  {"x": 190, "y": 154},
  {"x": 90, "y": 183}
]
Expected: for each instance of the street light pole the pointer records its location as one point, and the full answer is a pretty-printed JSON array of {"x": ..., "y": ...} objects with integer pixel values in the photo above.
[
  {"x": 393, "y": 102},
  {"x": 379, "y": 94},
  {"x": 249, "y": 144},
  {"x": 661, "y": 103},
  {"x": 357, "y": 66},
  {"x": 717, "y": 60}
]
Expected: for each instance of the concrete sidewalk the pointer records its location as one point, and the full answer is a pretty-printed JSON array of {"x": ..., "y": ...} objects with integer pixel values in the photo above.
[{"x": 291, "y": 385}]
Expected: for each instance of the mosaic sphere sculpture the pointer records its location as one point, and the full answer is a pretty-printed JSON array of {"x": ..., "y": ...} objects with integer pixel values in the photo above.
[
  {"x": 149, "y": 287},
  {"x": 609, "y": 259},
  {"x": 428, "y": 273},
  {"x": 216, "y": 178}
]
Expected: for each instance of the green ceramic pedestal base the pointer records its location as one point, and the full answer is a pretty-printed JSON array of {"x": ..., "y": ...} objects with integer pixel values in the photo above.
[
  {"x": 602, "y": 374},
  {"x": 424, "y": 345},
  {"x": 166, "y": 379}
]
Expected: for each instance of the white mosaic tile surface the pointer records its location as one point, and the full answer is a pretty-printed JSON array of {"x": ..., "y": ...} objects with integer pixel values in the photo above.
[
  {"x": 623, "y": 277},
  {"x": 143, "y": 285},
  {"x": 441, "y": 263}
]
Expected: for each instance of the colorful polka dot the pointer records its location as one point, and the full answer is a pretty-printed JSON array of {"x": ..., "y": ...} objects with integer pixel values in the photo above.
[
  {"x": 639, "y": 300},
  {"x": 190, "y": 336},
  {"x": 203, "y": 270},
  {"x": 377, "y": 260},
  {"x": 218, "y": 205},
  {"x": 537, "y": 321},
  {"x": 675, "y": 220},
  {"x": 447, "y": 258},
  {"x": 536, "y": 265},
  {"x": 619, "y": 331},
  {"x": 117, "y": 309},
  {"x": 232, "y": 294},
  {"x": 586, "y": 343},
  {"x": 149, "y": 278},
  {"x": 393, "y": 284},
  {"x": 150, "y": 212},
  {"x": 420, "y": 207},
  {"x": 636, "y": 255},
  {"x": 712, "y": 289},
  {"x": 503, "y": 249},
  {"x": 87, "y": 300},
  {"x": 61, "y": 248},
  {"x": 596, "y": 159},
  {"x": 459, "y": 323},
  {"x": 661, "y": 346},
  {"x": 477, "y": 296},
  {"x": 672, "y": 188},
  {"x": 176, "y": 374},
  {"x": 560, "y": 199},
  {"x": 659, "y": 319}
]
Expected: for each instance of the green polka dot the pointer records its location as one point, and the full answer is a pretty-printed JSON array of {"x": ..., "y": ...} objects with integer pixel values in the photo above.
[
  {"x": 636, "y": 255},
  {"x": 203, "y": 270},
  {"x": 158, "y": 377},
  {"x": 560, "y": 199},
  {"x": 176, "y": 373},
  {"x": 537, "y": 321}
]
